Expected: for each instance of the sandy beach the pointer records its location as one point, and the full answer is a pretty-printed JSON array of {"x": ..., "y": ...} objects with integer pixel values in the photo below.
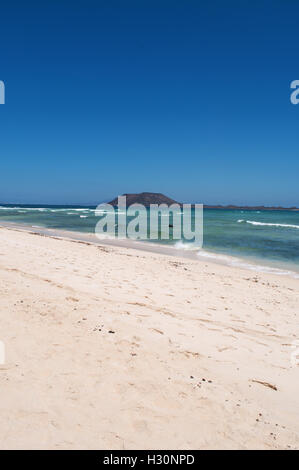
[{"x": 115, "y": 348}]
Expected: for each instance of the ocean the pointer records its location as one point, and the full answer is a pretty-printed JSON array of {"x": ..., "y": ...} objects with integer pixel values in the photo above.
[{"x": 263, "y": 238}]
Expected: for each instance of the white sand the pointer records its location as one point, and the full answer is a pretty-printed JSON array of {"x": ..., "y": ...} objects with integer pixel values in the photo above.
[{"x": 107, "y": 348}]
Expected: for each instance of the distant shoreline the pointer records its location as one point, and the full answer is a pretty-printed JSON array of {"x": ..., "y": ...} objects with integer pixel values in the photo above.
[
  {"x": 252, "y": 208},
  {"x": 205, "y": 206}
]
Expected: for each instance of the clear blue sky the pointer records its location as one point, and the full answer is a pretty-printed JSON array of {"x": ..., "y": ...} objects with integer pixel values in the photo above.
[{"x": 187, "y": 98}]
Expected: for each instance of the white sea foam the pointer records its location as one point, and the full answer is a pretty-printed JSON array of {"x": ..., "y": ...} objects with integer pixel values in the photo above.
[
  {"x": 215, "y": 256},
  {"x": 268, "y": 224},
  {"x": 185, "y": 246},
  {"x": 45, "y": 209},
  {"x": 40, "y": 209},
  {"x": 83, "y": 210},
  {"x": 9, "y": 208},
  {"x": 237, "y": 262},
  {"x": 72, "y": 209}
]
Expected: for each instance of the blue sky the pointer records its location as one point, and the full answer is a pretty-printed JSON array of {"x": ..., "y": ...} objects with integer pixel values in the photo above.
[{"x": 187, "y": 98}]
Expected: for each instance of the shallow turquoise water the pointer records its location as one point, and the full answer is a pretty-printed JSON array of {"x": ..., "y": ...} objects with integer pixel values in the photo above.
[
  {"x": 271, "y": 237},
  {"x": 260, "y": 235}
]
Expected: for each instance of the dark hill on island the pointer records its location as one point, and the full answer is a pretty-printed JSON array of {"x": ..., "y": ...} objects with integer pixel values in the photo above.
[
  {"x": 157, "y": 198},
  {"x": 146, "y": 199}
]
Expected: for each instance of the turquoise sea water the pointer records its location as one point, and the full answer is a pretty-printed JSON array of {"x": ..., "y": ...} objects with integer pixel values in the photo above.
[{"x": 267, "y": 237}]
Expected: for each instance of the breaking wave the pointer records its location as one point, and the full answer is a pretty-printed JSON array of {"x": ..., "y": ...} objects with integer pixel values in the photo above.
[{"x": 267, "y": 224}]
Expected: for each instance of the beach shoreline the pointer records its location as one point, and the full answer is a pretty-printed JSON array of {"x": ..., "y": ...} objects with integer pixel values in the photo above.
[
  {"x": 113, "y": 348},
  {"x": 170, "y": 250}
]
